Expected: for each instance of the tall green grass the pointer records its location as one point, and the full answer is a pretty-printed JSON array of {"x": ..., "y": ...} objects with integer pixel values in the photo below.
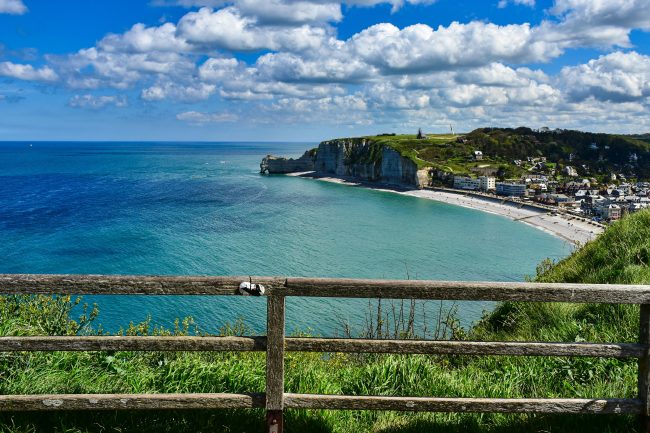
[{"x": 619, "y": 255}]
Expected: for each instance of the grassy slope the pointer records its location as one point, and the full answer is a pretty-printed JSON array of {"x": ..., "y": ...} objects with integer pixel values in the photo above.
[
  {"x": 440, "y": 151},
  {"x": 501, "y": 146},
  {"x": 620, "y": 255}
]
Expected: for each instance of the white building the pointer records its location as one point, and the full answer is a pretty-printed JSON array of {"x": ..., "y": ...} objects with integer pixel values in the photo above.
[
  {"x": 511, "y": 189},
  {"x": 478, "y": 155},
  {"x": 570, "y": 171},
  {"x": 487, "y": 183},
  {"x": 483, "y": 183},
  {"x": 462, "y": 182}
]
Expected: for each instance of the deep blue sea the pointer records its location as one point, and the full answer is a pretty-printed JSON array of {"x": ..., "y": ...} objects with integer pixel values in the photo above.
[{"x": 203, "y": 209}]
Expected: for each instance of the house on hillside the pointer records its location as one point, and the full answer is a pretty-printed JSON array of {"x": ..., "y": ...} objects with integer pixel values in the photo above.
[
  {"x": 570, "y": 171},
  {"x": 478, "y": 155}
]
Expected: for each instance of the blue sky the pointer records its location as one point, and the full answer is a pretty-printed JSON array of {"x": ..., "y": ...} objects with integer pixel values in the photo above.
[{"x": 307, "y": 70}]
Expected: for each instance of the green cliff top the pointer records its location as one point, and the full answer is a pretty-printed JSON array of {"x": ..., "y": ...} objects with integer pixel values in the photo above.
[{"x": 593, "y": 155}]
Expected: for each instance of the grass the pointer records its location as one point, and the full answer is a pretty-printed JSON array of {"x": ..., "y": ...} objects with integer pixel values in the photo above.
[
  {"x": 619, "y": 255},
  {"x": 438, "y": 151}
]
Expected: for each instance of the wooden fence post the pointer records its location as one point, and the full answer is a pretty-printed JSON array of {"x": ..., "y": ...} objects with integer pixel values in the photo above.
[
  {"x": 644, "y": 368},
  {"x": 274, "y": 363}
]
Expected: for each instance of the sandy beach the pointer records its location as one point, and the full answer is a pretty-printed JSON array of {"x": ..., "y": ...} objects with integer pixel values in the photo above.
[{"x": 574, "y": 230}]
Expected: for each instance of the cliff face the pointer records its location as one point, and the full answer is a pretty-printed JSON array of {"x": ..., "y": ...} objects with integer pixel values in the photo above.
[
  {"x": 274, "y": 164},
  {"x": 364, "y": 159},
  {"x": 397, "y": 169},
  {"x": 358, "y": 158}
]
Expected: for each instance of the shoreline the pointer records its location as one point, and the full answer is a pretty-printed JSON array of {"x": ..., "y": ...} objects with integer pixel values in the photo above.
[{"x": 571, "y": 229}]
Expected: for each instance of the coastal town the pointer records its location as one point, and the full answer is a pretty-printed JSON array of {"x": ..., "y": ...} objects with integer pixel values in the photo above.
[
  {"x": 566, "y": 191},
  {"x": 578, "y": 181}
]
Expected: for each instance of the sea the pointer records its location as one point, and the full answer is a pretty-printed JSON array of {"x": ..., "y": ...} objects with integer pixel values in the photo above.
[{"x": 183, "y": 208}]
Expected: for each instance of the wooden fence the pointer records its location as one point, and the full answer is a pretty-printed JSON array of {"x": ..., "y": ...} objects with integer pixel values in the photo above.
[{"x": 275, "y": 400}]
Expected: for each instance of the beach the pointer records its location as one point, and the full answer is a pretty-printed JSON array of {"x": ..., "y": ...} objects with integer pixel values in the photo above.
[{"x": 572, "y": 229}]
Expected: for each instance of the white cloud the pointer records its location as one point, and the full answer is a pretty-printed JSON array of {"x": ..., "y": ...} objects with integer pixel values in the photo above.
[
  {"x": 386, "y": 95},
  {"x": 14, "y": 7},
  {"x": 93, "y": 67},
  {"x": 201, "y": 118},
  {"x": 290, "y": 12},
  {"x": 142, "y": 39},
  {"x": 419, "y": 48},
  {"x": 97, "y": 102},
  {"x": 27, "y": 72},
  {"x": 599, "y": 23},
  {"x": 188, "y": 93},
  {"x": 228, "y": 29},
  {"x": 219, "y": 69},
  {"x": 329, "y": 66},
  {"x": 616, "y": 77},
  {"x": 322, "y": 8},
  {"x": 504, "y": 3},
  {"x": 497, "y": 74}
]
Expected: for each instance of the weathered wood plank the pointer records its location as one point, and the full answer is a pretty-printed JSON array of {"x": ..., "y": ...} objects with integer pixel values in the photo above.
[
  {"x": 441, "y": 347},
  {"x": 275, "y": 353},
  {"x": 644, "y": 368},
  {"x": 115, "y": 343},
  {"x": 326, "y": 287},
  {"x": 300, "y": 344},
  {"x": 126, "y": 284},
  {"x": 426, "y": 404},
  {"x": 49, "y": 402},
  {"x": 467, "y": 290}
]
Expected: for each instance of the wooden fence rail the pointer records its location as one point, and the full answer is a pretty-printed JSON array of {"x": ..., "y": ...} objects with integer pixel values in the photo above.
[{"x": 275, "y": 343}]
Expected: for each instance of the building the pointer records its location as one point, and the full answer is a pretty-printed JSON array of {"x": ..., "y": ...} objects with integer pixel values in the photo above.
[
  {"x": 462, "y": 182},
  {"x": 612, "y": 212},
  {"x": 478, "y": 155},
  {"x": 511, "y": 189},
  {"x": 570, "y": 171},
  {"x": 487, "y": 183},
  {"x": 483, "y": 183},
  {"x": 420, "y": 135}
]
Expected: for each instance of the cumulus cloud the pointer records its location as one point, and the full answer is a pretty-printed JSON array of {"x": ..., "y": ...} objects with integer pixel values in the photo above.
[
  {"x": 615, "y": 77},
  {"x": 497, "y": 74},
  {"x": 14, "y": 7},
  {"x": 290, "y": 12},
  {"x": 94, "y": 67},
  {"x": 420, "y": 48},
  {"x": 332, "y": 66},
  {"x": 142, "y": 39},
  {"x": 197, "y": 117},
  {"x": 600, "y": 23},
  {"x": 93, "y": 102},
  {"x": 27, "y": 72},
  {"x": 228, "y": 29}
]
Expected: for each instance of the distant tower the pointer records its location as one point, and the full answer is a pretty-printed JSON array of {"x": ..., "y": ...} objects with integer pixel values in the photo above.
[
  {"x": 421, "y": 136},
  {"x": 452, "y": 129}
]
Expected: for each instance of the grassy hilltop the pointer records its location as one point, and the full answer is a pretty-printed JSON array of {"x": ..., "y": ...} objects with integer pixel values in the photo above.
[
  {"x": 591, "y": 154},
  {"x": 620, "y": 255}
]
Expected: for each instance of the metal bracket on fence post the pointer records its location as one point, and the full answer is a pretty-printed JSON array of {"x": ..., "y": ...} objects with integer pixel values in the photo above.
[
  {"x": 644, "y": 368},
  {"x": 274, "y": 363}
]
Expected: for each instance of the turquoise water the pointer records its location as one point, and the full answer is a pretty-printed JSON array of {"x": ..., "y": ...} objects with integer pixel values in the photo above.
[{"x": 203, "y": 209}]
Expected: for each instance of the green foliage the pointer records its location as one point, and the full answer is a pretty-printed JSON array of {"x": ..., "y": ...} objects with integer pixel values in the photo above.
[
  {"x": 501, "y": 146},
  {"x": 612, "y": 152}
]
